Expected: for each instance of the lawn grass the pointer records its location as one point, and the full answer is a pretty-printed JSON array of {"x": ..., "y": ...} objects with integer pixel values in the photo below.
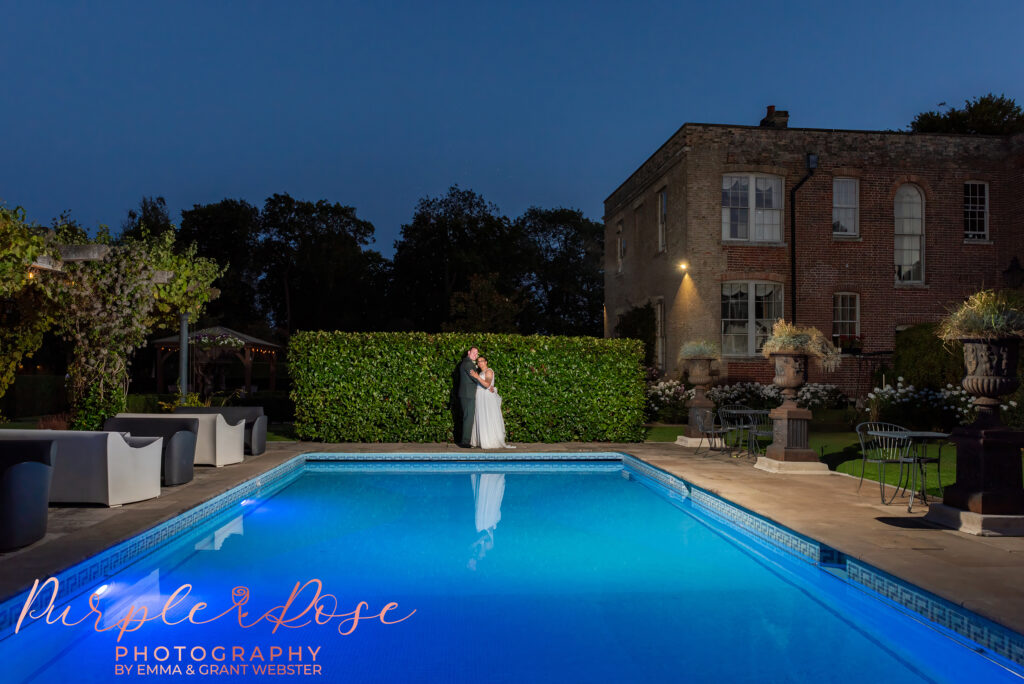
[
  {"x": 663, "y": 433},
  {"x": 841, "y": 451},
  {"x": 281, "y": 432}
]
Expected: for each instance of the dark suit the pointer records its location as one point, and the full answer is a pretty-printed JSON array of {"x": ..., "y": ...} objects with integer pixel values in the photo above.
[{"x": 467, "y": 398}]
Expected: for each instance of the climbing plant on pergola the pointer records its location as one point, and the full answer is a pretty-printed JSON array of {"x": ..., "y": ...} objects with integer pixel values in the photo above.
[{"x": 103, "y": 299}]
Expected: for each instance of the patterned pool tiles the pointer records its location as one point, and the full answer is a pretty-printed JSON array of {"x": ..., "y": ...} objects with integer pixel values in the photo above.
[{"x": 992, "y": 636}]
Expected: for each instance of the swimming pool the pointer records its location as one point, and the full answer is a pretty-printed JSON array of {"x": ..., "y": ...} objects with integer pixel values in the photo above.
[{"x": 502, "y": 572}]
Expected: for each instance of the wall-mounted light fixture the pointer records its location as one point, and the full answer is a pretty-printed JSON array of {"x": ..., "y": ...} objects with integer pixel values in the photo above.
[
  {"x": 812, "y": 160},
  {"x": 683, "y": 265}
]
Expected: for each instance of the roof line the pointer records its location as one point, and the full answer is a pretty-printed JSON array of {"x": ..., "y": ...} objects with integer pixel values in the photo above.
[{"x": 794, "y": 128}]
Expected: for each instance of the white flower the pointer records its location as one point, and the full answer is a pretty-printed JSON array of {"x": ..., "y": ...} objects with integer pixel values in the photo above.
[{"x": 1013, "y": 403}]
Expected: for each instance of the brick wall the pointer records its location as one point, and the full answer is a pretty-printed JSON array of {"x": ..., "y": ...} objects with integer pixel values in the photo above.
[{"x": 691, "y": 165}]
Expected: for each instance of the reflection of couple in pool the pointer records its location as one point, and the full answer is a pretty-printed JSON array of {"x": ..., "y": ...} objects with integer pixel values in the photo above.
[{"x": 488, "y": 491}]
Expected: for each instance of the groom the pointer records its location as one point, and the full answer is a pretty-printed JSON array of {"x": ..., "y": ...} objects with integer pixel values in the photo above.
[{"x": 468, "y": 378}]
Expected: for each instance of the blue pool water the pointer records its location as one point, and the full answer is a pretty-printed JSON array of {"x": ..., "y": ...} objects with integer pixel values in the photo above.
[{"x": 548, "y": 573}]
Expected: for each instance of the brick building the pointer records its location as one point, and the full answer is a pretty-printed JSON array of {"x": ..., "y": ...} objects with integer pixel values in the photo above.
[{"x": 878, "y": 230}]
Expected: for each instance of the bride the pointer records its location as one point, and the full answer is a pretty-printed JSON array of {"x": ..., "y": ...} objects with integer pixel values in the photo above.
[{"x": 488, "y": 425}]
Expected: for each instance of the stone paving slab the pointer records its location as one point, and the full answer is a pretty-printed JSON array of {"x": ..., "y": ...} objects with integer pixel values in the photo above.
[{"x": 984, "y": 574}]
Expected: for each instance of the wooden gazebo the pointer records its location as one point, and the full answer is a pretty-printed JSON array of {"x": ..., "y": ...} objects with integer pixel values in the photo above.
[{"x": 251, "y": 348}]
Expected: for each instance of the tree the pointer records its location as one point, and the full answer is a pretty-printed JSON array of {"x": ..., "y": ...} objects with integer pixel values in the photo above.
[
  {"x": 988, "y": 114},
  {"x": 190, "y": 288},
  {"x": 449, "y": 240},
  {"x": 24, "y": 316},
  {"x": 228, "y": 232},
  {"x": 105, "y": 309},
  {"x": 564, "y": 279},
  {"x": 104, "y": 306},
  {"x": 640, "y": 323},
  {"x": 315, "y": 272},
  {"x": 151, "y": 218},
  {"x": 68, "y": 231},
  {"x": 482, "y": 308}
]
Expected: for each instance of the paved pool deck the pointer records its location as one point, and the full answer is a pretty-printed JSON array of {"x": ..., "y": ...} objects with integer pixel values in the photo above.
[{"x": 983, "y": 574}]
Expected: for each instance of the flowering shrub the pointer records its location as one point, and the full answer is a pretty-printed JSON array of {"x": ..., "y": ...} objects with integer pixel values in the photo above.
[
  {"x": 922, "y": 409},
  {"x": 752, "y": 394},
  {"x": 757, "y": 396},
  {"x": 819, "y": 395},
  {"x": 666, "y": 401}
]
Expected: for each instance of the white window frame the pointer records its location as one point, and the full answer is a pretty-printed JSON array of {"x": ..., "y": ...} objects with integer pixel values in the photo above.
[
  {"x": 662, "y": 219},
  {"x": 855, "y": 206},
  {"x": 752, "y": 348},
  {"x": 920, "y": 236},
  {"x": 975, "y": 235},
  {"x": 620, "y": 247},
  {"x": 856, "y": 315},
  {"x": 659, "y": 333},
  {"x": 752, "y": 209}
]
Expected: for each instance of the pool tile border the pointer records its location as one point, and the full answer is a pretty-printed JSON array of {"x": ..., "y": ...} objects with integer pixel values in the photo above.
[{"x": 990, "y": 635}]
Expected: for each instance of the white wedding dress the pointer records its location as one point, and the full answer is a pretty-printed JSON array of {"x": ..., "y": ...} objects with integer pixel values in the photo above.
[{"x": 488, "y": 424}]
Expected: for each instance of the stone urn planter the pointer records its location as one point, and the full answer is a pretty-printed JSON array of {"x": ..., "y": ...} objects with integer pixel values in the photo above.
[
  {"x": 789, "y": 348},
  {"x": 699, "y": 372},
  {"x": 987, "y": 497},
  {"x": 699, "y": 375},
  {"x": 790, "y": 374},
  {"x": 789, "y": 450},
  {"x": 988, "y": 466},
  {"x": 991, "y": 373}
]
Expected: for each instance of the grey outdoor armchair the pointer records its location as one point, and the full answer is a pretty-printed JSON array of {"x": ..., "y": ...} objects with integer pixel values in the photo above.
[
  {"x": 26, "y": 470},
  {"x": 179, "y": 434},
  {"x": 255, "y": 423}
]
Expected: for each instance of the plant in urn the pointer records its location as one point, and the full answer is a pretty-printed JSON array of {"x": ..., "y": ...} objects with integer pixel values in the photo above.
[
  {"x": 989, "y": 325},
  {"x": 789, "y": 347},
  {"x": 698, "y": 355}
]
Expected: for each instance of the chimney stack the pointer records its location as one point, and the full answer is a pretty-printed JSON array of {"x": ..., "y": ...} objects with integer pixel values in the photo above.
[{"x": 775, "y": 119}]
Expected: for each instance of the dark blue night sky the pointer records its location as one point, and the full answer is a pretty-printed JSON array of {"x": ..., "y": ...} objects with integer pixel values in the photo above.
[{"x": 377, "y": 104}]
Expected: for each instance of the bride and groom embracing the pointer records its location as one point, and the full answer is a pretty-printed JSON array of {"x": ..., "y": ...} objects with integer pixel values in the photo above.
[{"x": 482, "y": 423}]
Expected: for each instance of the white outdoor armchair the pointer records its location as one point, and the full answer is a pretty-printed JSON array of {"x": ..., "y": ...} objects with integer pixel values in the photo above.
[{"x": 218, "y": 443}]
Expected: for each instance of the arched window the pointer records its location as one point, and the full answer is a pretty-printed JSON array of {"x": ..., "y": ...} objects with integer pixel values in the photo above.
[{"x": 908, "y": 251}]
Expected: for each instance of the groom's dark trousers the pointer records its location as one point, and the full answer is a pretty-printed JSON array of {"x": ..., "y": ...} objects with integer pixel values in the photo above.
[{"x": 467, "y": 399}]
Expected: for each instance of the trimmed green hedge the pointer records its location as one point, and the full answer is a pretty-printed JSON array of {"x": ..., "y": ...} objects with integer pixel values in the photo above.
[{"x": 398, "y": 387}]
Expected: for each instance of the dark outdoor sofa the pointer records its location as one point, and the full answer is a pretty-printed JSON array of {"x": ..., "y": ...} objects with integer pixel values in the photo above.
[
  {"x": 179, "y": 450},
  {"x": 255, "y": 423},
  {"x": 26, "y": 470}
]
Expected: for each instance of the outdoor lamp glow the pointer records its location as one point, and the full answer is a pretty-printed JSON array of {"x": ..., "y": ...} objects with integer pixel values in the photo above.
[{"x": 683, "y": 265}]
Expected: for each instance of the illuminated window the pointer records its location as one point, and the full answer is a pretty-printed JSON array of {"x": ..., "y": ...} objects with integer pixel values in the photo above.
[
  {"x": 749, "y": 309},
  {"x": 908, "y": 211}
]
